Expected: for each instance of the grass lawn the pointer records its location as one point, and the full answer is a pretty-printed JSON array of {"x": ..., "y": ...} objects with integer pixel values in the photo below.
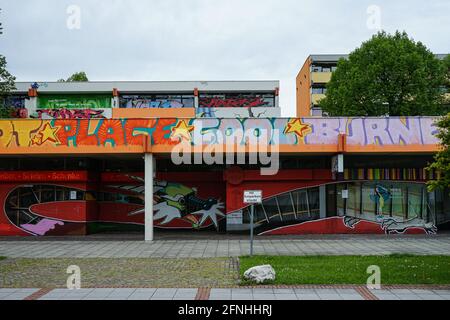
[
  {"x": 395, "y": 269},
  {"x": 119, "y": 272}
]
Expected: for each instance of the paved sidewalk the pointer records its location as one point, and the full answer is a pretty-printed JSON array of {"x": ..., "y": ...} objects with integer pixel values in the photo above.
[
  {"x": 225, "y": 248},
  {"x": 264, "y": 293}
]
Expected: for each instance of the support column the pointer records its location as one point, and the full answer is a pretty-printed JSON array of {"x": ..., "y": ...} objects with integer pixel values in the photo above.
[
  {"x": 149, "y": 174},
  {"x": 31, "y": 103},
  {"x": 196, "y": 98}
]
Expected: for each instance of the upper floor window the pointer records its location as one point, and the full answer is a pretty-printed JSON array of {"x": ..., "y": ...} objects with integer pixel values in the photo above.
[
  {"x": 318, "y": 90},
  {"x": 156, "y": 101},
  {"x": 323, "y": 68}
]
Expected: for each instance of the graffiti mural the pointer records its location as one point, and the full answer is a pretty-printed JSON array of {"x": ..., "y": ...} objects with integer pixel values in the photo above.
[
  {"x": 234, "y": 102},
  {"x": 74, "y": 113},
  {"x": 74, "y": 101},
  {"x": 14, "y": 106},
  {"x": 175, "y": 205},
  {"x": 338, "y": 225},
  {"x": 15, "y": 102},
  {"x": 241, "y": 113},
  {"x": 391, "y": 208},
  {"x": 156, "y": 101},
  {"x": 360, "y": 132},
  {"x": 71, "y": 208}
]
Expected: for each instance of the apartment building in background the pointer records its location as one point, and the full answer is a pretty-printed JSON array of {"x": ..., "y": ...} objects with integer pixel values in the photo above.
[{"x": 312, "y": 80}]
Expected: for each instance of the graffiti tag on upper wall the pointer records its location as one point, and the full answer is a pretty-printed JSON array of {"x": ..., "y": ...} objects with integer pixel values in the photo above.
[
  {"x": 233, "y": 102},
  {"x": 281, "y": 131},
  {"x": 73, "y": 113},
  {"x": 74, "y": 101},
  {"x": 140, "y": 102}
]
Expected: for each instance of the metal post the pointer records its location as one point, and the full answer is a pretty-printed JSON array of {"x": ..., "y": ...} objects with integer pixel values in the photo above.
[
  {"x": 149, "y": 171},
  {"x": 252, "y": 208}
]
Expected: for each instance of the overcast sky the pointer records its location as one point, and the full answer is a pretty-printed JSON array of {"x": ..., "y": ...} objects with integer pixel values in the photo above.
[{"x": 201, "y": 39}]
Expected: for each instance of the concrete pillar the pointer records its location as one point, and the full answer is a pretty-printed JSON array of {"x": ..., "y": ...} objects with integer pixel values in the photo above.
[
  {"x": 196, "y": 99},
  {"x": 31, "y": 103},
  {"x": 277, "y": 98},
  {"x": 149, "y": 174}
]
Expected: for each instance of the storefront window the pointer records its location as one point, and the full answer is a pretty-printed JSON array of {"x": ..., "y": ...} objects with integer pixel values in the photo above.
[
  {"x": 340, "y": 201},
  {"x": 415, "y": 200},
  {"x": 301, "y": 202},
  {"x": 314, "y": 202},
  {"x": 259, "y": 214},
  {"x": 368, "y": 200},
  {"x": 399, "y": 194},
  {"x": 272, "y": 210},
  {"x": 286, "y": 206},
  {"x": 354, "y": 199}
]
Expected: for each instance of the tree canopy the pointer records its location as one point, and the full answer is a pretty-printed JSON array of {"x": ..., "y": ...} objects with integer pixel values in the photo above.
[
  {"x": 6, "y": 84},
  {"x": 442, "y": 158},
  {"x": 76, "y": 77},
  {"x": 388, "y": 75}
]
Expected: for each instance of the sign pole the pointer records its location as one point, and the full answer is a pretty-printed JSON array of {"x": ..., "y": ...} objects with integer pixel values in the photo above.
[
  {"x": 252, "y": 208},
  {"x": 252, "y": 197}
]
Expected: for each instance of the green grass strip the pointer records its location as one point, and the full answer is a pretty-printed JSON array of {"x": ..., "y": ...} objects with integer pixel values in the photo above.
[{"x": 395, "y": 269}]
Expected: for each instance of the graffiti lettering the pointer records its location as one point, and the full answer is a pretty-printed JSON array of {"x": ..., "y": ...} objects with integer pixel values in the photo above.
[
  {"x": 232, "y": 102},
  {"x": 171, "y": 131},
  {"x": 70, "y": 114}
]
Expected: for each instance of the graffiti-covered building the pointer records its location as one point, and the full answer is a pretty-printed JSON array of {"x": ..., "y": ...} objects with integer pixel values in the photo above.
[{"x": 83, "y": 158}]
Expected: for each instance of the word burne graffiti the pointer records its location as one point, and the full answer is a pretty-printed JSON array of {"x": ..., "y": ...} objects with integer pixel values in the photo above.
[{"x": 282, "y": 131}]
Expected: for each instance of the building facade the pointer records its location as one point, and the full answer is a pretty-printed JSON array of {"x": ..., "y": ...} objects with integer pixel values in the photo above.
[{"x": 94, "y": 157}]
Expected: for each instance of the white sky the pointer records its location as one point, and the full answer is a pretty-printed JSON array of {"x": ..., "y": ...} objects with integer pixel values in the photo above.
[{"x": 201, "y": 39}]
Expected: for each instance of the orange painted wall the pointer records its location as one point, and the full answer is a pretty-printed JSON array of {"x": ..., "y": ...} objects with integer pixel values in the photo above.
[
  {"x": 303, "y": 83},
  {"x": 145, "y": 113}
]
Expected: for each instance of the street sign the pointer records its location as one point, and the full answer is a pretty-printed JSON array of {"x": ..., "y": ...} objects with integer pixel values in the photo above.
[{"x": 252, "y": 196}]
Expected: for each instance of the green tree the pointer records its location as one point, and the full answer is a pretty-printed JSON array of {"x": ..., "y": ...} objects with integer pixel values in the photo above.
[
  {"x": 446, "y": 85},
  {"x": 442, "y": 158},
  {"x": 388, "y": 75},
  {"x": 6, "y": 85},
  {"x": 76, "y": 77}
]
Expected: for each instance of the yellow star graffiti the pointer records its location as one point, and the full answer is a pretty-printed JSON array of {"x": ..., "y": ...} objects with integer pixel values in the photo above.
[
  {"x": 36, "y": 139},
  {"x": 298, "y": 127},
  {"x": 182, "y": 130},
  {"x": 48, "y": 133}
]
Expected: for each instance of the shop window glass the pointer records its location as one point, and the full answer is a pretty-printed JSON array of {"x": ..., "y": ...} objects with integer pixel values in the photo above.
[
  {"x": 301, "y": 202},
  {"x": 331, "y": 200},
  {"x": 314, "y": 202},
  {"x": 59, "y": 194},
  {"x": 398, "y": 194},
  {"x": 354, "y": 200},
  {"x": 286, "y": 206},
  {"x": 259, "y": 214},
  {"x": 340, "y": 202},
  {"x": 47, "y": 193},
  {"x": 246, "y": 215},
  {"x": 271, "y": 207},
  {"x": 445, "y": 215},
  {"x": 368, "y": 204},
  {"x": 415, "y": 197}
]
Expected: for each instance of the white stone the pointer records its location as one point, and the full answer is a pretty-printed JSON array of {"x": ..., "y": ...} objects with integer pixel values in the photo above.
[{"x": 259, "y": 274}]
